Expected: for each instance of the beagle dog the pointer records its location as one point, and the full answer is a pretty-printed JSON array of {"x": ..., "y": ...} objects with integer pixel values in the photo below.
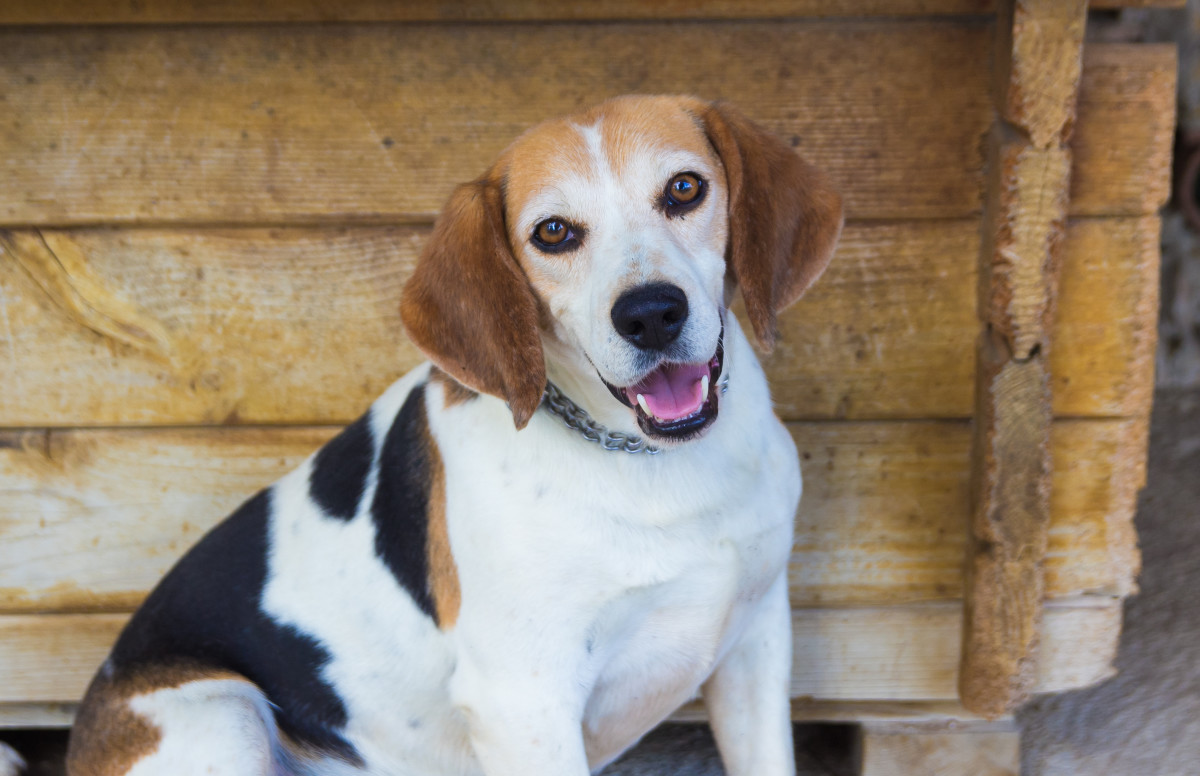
[{"x": 532, "y": 549}]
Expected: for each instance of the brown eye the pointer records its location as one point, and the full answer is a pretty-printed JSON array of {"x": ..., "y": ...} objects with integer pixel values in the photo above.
[
  {"x": 683, "y": 191},
  {"x": 554, "y": 234}
]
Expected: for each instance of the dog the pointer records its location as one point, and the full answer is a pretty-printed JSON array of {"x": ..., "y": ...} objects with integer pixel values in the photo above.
[{"x": 533, "y": 548}]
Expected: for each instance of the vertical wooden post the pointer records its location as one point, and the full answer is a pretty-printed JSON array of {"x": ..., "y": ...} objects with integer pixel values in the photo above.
[{"x": 1037, "y": 78}]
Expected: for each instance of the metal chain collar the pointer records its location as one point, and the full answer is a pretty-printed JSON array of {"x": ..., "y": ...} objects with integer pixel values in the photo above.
[{"x": 577, "y": 419}]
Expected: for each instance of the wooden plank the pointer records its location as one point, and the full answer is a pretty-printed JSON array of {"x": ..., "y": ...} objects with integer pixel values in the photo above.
[
  {"x": 376, "y": 123},
  {"x": 305, "y": 124},
  {"x": 882, "y": 517},
  {"x": 1103, "y": 5},
  {"x": 254, "y": 326},
  {"x": 1124, "y": 130},
  {"x": 230, "y": 11},
  {"x": 91, "y": 519},
  {"x": 936, "y": 714},
  {"x": 170, "y": 327},
  {"x": 51, "y": 658},
  {"x": 1105, "y": 330},
  {"x": 1025, "y": 212},
  {"x": 37, "y": 715},
  {"x": 889, "y": 753},
  {"x": 893, "y": 654}
]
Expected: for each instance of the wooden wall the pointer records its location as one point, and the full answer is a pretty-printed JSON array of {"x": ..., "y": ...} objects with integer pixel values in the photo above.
[{"x": 206, "y": 216}]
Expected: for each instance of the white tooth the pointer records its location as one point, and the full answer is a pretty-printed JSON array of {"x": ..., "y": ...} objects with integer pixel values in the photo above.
[
  {"x": 645, "y": 407},
  {"x": 704, "y": 387}
]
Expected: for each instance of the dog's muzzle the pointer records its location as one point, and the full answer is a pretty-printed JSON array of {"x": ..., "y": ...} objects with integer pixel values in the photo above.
[{"x": 676, "y": 400}]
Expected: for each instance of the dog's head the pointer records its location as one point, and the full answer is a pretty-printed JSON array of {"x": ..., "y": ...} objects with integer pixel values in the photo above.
[{"x": 619, "y": 235}]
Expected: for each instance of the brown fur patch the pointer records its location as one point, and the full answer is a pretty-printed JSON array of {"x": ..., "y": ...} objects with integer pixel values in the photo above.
[
  {"x": 545, "y": 155},
  {"x": 468, "y": 305},
  {"x": 443, "y": 571},
  {"x": 439, "y": 559},
  {"x": 454, "y": 393},
  {"x": 784, "y": 216},
  {"x": 109, "y": 737},
  {"x": 630, "y": 124}
]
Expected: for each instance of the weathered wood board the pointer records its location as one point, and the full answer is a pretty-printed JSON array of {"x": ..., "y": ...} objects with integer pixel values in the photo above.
[
  {"x": 225, "y": 11},
  {"x": 266, "y": 124},
  {"x": 1119, "y": 167},
  {"x": 890, "y": 654},
  {"x": 301, "y": 326},
  {"x": 205, "y": 224},
  {"x": 92, "y": 519},
  {"x": 1106, "y": 327},
  {"x": 945, "y": 713},
  {"x": 303, "y": 124},
  {"x": 953, "y": 753},
  {"x": 1039, "y": 55}
]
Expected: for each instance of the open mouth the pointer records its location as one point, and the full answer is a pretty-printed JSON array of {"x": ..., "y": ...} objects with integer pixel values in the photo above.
[{"x": 675, "y": 401}]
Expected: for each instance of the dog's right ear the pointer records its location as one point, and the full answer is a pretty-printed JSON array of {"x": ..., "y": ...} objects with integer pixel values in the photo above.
[
  {"x": 784, "y": 216},
  {"x": 469, "y": 307}
]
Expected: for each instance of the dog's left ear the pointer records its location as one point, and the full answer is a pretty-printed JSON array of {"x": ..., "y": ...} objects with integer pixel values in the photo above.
[
  {"x": 469, "y": 307},
  {"x": 784, "y": 216}
]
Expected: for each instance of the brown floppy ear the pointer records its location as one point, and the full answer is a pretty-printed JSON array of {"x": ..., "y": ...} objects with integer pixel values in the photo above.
[
  {"x": 468, "y": 305},
  {"x": 784, "y": 216}
]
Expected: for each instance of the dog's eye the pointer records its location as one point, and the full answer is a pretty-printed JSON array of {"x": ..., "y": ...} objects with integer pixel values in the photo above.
[
  {"x": 554, "y": 234},
  {"x": 683, "y": 192}
]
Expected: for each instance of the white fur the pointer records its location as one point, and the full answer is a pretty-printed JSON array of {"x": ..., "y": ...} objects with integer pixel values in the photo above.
[
  {"x": 600, "y": 590},
  {"x": 629, "y": 242}
]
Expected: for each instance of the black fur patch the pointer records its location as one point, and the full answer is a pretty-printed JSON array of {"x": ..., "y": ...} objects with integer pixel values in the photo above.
[
  {"x": 207, "y": 611},
  {"x": 339, "y": 472},
  {"x": 401, "y": 505}
]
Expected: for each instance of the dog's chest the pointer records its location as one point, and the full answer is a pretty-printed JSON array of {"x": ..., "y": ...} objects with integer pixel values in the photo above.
[
  {"x": 653, "y": 645},
  {"x": 645, "y": 579}
]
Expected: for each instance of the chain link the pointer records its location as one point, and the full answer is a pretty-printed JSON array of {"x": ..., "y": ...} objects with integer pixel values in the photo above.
[{"x": 577, "y": 418}]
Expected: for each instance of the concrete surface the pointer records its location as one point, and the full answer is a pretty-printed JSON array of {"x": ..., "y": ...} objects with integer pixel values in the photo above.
[{"x": 1146, "y": 720}]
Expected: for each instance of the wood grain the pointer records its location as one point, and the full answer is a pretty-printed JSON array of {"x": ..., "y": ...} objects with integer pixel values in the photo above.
[
  {"x": 1124, "y": 130},
  {"x": 1040, "y": 52},
  {"x": 1105, "y": 328},
  {"x": 891, "y": 713},
  {"x": 233, "y": 11},
  {"x": 235, "y": 326},
  {"x": 887, "y": 654},
  {"x": 226, "y": 11},
  {"x": 376, "y": 123},
  {"x": 992, "y": 753},
  {"x": 92, "y": 519},
  {"x": 303, "y": 124},
  {"x": 292, "y": 326}
]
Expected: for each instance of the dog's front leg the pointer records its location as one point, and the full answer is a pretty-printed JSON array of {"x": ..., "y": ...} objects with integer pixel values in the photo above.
[
  {"x": 747, "y": 695},
  {"x": 522, "y": 721}
]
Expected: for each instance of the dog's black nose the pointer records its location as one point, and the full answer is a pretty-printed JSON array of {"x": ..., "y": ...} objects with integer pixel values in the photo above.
[{"x": 651, "y": 316}]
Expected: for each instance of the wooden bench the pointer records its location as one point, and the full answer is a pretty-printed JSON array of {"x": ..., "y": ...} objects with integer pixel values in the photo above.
[{"x": 207, "y": 212}]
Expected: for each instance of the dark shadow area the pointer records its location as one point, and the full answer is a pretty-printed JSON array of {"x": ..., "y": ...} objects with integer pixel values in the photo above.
[
  {"x": 43, "y": 750},
  {"x": 689, "y": 750},
  {"x": 679, "y": 750}
]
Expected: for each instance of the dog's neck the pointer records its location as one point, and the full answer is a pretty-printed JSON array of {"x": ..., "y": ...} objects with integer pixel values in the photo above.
[{"x": 574, "y": 375}]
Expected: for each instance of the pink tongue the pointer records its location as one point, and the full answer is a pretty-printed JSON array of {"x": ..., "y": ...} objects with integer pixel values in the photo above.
[{"x": 672, "y": 391}]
